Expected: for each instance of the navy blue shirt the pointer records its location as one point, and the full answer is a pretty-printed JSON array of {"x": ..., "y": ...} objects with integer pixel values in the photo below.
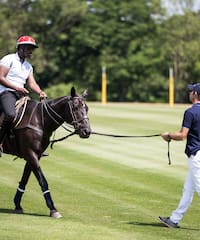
[{"x": 191, "y": 120}]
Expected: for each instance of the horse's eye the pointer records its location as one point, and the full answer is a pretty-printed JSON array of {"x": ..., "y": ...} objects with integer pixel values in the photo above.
[
  {"x": 86, "y": 107},
  {"x": 76, "y": 102}
]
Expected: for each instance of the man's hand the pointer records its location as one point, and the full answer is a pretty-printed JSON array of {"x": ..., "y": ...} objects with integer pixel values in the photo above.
[
  {"x": 166, "y": 136},
  {"x": 42, "y": 95},
  {"x": 22, "y": 90}
]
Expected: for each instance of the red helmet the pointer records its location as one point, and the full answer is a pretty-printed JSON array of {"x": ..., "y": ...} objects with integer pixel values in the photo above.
[{"x": 26, "y": 40}]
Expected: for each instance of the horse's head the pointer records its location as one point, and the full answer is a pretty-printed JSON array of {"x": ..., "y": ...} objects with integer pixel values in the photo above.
[{"x": 78, "y": 111}]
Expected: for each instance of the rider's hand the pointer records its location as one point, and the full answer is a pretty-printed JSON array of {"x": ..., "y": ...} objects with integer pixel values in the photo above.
[
  {"x": 42, "y": 95},
  {"x": 22, "y": 90}
]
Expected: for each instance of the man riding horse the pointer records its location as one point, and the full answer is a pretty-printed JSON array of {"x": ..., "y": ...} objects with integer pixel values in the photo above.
[
  {"x": 31, "y": 135},
  {"x": 15, "y": 72}
]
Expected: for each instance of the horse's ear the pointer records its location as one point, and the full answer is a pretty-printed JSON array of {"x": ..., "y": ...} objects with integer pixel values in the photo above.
[
  {"x": 73, "y": 92},
  {"x": 85, "y": 93}
]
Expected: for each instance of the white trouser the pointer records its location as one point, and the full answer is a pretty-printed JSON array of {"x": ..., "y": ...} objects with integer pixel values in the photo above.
[{"x": 192, "y": 184}]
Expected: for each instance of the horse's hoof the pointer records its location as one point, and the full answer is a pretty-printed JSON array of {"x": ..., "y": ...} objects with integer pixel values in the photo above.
[
  {"x": 19, "y": 211},
  {"x": 55, "y": 214}
]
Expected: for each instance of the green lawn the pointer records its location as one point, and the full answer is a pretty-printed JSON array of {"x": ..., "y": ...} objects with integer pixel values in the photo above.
[{"x": 105, "y": 188}]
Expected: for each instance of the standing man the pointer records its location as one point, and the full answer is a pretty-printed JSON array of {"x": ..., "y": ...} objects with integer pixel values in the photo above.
[
  {"x": 15, "y": 72},
  {"x": 190, "y": 130}
]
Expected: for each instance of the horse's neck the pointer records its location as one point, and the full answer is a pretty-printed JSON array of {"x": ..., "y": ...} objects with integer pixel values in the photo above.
[
  {"x": 55, "y": 111},
  {"x": 58, "y": 105}
]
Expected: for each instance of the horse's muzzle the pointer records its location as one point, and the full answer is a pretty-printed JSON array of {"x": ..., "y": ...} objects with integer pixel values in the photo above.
[{"x": 84, "y": 133}]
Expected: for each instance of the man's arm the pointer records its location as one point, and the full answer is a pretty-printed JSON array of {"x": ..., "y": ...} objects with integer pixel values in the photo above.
[
  {"x": 34, "y": 86},
  {"x": 6, "y": 83},
  {"x": 178, "y": 136}
]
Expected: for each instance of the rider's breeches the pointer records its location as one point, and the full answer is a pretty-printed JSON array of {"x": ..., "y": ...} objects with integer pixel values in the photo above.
[{"x": 8, "y": 100}]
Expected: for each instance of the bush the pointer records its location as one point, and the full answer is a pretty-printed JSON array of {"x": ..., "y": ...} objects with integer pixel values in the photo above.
[{"x": 60, "y": 90}]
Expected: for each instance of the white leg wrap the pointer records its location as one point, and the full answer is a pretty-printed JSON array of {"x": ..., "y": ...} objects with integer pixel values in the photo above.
[
  {"x": 47, "y": 191},
  {"x": 20, "y": 190}
]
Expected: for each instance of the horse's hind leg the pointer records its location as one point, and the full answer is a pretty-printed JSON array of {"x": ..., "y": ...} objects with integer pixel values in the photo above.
[
  {"x": 21, "y": 188},
  {"x": 45, "y": 189}
]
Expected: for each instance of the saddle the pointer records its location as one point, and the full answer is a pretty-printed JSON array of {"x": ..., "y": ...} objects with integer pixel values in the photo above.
[{"x": 20, "y": 108}]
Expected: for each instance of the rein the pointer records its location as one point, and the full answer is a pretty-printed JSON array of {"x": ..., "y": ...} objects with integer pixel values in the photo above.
[{"x": 47, "y": 108}]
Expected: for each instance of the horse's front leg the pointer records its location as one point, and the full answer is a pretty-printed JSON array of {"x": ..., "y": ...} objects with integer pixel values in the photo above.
[
  {"x": 21, "y": 188},
  {"x": 45, "y": 189}
]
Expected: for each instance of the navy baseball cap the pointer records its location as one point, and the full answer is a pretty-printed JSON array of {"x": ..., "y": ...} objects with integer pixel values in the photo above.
[{"x": 194, "y": 87}]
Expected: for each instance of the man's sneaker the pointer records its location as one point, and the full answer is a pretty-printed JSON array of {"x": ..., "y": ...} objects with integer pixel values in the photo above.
[{"x": 167, "y": 222}]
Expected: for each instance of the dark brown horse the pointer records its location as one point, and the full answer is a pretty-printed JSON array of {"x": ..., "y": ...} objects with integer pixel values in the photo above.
[{"x": 31, "y": 137}]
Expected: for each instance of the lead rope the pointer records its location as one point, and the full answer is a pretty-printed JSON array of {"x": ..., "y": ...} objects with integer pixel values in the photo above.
[
  {"x": 168, "y": 152},
  {"x": 139, "y": 136},
  {"x": 117, "y": 136},
  {"x": 126, "y": 136}
]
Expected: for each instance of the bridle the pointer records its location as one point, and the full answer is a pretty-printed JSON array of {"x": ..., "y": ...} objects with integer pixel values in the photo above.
[
  {"x": 76, "y": 122},
  {"x": 60, "y": 120}
]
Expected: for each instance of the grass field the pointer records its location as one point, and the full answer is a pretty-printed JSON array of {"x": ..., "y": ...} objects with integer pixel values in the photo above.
[{"x": 105, "y": 188}]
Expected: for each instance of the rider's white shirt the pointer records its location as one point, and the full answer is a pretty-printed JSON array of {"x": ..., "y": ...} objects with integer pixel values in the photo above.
[{"x": 18, "y": 71}]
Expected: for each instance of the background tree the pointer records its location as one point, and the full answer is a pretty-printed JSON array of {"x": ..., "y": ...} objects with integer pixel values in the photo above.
[
  {"x": 118, "y": 35},
  {"x": 136, "y": 41},
  {"x": 179, "y": 40},
  {"x": 49, "y": 23}
]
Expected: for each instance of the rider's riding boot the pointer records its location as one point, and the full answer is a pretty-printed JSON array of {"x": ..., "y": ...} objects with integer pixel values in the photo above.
[{"x": 3, "y": 133}]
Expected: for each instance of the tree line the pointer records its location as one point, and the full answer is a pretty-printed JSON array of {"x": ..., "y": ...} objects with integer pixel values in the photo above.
[{"x": 137, "y": 42}]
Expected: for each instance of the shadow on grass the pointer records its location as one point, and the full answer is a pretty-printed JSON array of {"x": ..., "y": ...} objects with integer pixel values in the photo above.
[
  {"x": 11, "y": 211},
  {"x": 159, "y": 225}
]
